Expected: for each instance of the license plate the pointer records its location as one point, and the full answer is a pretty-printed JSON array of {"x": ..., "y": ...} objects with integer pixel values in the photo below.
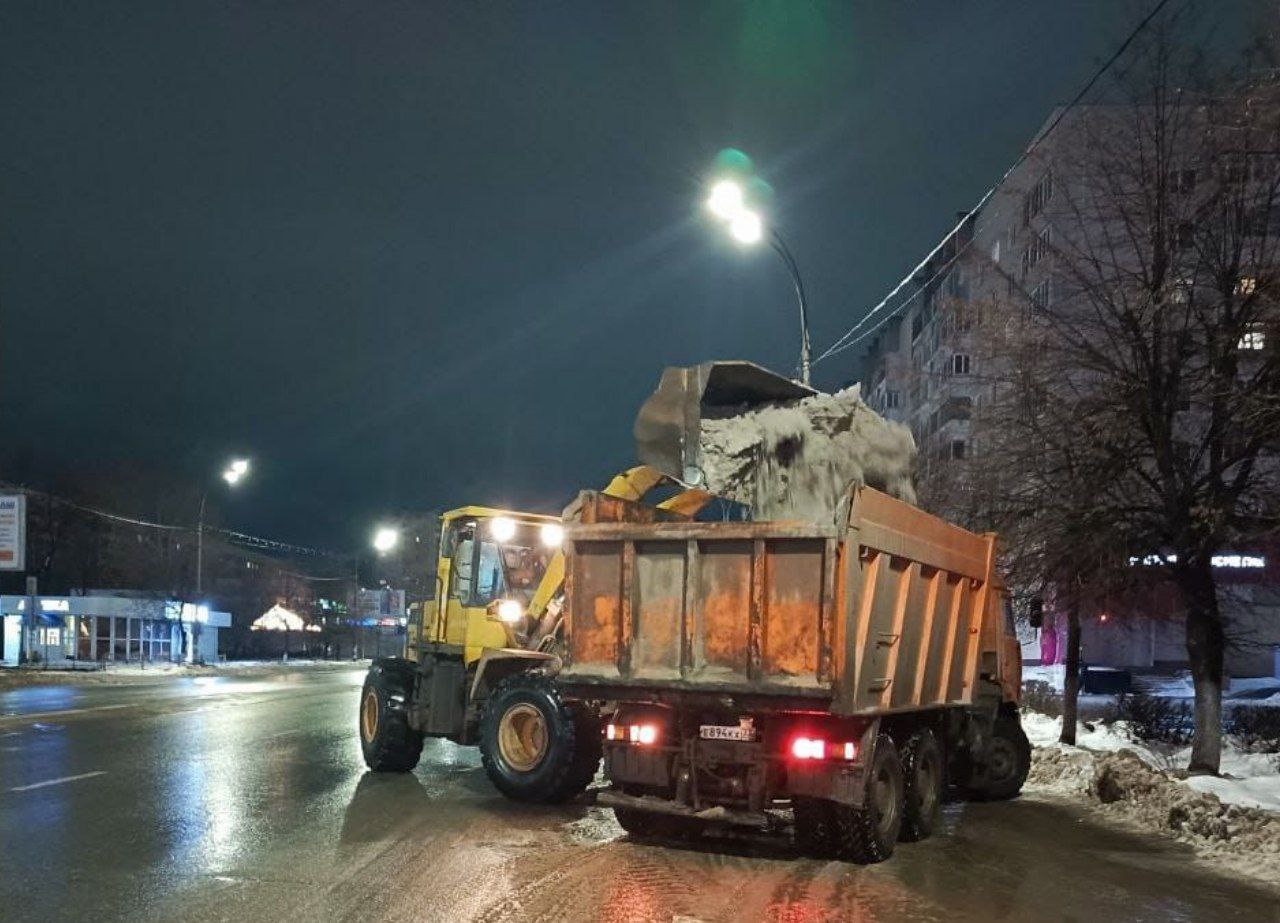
[{"x": 723, "y": 732}]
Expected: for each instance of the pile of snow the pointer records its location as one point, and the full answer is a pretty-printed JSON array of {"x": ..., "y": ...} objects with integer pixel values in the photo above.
[
  {"x": 1152, "y": 798},
  {"x": 798, "y": 459},
  {"x": 1248, "y": 779},
  {"x": 1233, "y": 818}
]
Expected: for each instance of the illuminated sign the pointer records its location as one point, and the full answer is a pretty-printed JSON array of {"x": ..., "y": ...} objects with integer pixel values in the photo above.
[{"x": 1229, "y": 561}]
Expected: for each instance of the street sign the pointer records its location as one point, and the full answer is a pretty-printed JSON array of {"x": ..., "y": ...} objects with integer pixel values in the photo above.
[{"x": 13, "y": 532}]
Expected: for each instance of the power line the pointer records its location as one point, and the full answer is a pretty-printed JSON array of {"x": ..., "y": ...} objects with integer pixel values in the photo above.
[
  {"x": 844, "y": 342},
  {"x": 239, "y": 538}
]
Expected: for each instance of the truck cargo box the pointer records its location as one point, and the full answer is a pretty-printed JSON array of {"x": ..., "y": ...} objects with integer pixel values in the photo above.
[{"x": 893, "y": 609}]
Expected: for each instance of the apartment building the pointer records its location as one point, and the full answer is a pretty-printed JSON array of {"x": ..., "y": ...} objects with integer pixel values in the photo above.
[{"x": 934, "y": 365}]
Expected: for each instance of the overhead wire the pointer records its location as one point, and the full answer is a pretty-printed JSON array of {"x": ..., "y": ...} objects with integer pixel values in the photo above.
[{"x": 845, "y": 341}]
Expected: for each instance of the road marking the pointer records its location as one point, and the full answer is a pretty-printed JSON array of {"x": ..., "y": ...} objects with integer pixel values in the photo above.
[
  {"x": 37, "y": 715},
  {"x": 45, "y": 784}
]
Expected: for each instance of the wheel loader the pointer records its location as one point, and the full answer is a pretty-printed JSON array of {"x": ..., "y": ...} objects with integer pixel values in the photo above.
[{"x": 834, "y": 679}]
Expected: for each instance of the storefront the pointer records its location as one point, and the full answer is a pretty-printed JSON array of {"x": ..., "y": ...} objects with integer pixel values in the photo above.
[{"x": 64, "y": 630}]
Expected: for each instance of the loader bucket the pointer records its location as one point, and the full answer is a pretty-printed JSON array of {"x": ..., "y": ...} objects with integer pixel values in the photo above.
[{"x": 668, "y": 426}]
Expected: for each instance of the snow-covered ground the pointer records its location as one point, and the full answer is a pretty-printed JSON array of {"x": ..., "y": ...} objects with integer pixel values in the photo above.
[
  {"x": 1248, "y": 779},
  {"x": 1263, "y": 690}
]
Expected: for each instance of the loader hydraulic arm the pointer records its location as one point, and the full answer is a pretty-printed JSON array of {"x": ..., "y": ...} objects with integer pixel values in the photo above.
[{"x": 632, "y": 485}]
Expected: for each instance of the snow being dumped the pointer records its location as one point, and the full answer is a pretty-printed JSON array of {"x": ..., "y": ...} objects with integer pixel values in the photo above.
[{"x": 797, "y": 459}]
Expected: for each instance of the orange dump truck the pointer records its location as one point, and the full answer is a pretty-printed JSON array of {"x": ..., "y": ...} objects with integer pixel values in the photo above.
[{"x": 842, "y": 678}]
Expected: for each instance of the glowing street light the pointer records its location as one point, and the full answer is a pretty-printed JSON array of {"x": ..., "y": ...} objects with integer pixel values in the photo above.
[
  {"x": 746, "y": 227},
  {"x": 233, "y": 474},
  {"x": 728, "y": 202},
  {"x": 235, "y": 471},
  {"x": 385, "y": 539},
  {"x": 726, "y": 199}
]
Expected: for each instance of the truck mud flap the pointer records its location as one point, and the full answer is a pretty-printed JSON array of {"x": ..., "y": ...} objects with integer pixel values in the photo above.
[{"x": 754, "y": 819}]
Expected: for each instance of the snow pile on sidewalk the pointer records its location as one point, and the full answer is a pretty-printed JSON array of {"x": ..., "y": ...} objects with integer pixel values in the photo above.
[
  {"x": 797, "y": 459},
  {"x": 1235, "y": 818},
  {"x": 1152, "y": 798},
  {"x": 1248, "y": 779}
]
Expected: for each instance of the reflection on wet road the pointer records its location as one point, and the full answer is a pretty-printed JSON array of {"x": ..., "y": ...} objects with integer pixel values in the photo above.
[{"x": 245, "y": 799}]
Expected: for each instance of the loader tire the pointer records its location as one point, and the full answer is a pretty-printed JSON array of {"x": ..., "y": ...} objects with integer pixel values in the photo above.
[
  {"x": 923, "y": 785},
  {"x": 529, "y": 741},
  {"x": 387, "y": 741},
  {"x": 1006, "y": 762},
  {"x": 869, "y": 833}
]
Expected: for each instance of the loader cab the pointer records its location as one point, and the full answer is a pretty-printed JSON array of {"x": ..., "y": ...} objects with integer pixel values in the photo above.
[{"x": 491, "y": 562}]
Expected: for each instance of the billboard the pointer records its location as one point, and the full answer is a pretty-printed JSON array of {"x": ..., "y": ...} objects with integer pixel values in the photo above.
[{"x": 13, "y": 531}]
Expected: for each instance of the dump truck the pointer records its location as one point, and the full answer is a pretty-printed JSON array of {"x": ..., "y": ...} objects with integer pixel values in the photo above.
[
  {"x": 837, "y": 678},
  {"x": 849, "y": 673}
]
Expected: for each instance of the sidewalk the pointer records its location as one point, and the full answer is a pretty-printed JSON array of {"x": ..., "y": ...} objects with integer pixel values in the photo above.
[{"x": 125, "y": 673}]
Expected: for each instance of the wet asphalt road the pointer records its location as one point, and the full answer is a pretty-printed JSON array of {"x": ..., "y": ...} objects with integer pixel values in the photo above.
[{"x": 246, "y": 799}]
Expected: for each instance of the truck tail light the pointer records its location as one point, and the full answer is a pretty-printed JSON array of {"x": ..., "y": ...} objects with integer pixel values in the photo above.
[
  {"x": 643, "y": 733},
  {"x": 809, "y": 748},
  {"x": 611, "y": 732},
  {"x": 815, "y": 748}
]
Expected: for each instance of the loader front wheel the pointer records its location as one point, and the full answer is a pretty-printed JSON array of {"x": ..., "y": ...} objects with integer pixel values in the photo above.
[
  {"x": 387, "y": 741},
  {"x": 529, "y": 741}
]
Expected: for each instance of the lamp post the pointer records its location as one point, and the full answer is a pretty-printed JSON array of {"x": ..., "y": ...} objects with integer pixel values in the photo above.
[
  {"x": 728, "y": 203},
  {"x": 232, "y": 474}
]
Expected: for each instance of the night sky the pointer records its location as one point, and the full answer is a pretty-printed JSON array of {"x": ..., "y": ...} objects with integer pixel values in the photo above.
[{"x": 413, "y": 255}]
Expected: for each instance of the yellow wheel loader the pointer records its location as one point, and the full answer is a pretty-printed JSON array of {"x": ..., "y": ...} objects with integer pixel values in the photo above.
[{"x": 480, "y": 656}]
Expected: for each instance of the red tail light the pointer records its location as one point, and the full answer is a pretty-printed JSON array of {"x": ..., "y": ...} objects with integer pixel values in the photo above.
[
  {"x": 809, "y": 748},
  {"x": 644, "y": 733}
]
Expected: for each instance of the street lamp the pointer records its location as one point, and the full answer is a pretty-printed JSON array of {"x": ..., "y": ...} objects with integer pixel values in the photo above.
[
  {"x": 232, "y": 474},
  {"x": 385, "y": 539},
  {"x": 728, "y": 202}
]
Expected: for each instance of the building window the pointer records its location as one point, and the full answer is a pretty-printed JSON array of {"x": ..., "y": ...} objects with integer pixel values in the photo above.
[
  {"x": 1186, "y": 236},
  {"x": 960, "y": 364},
  {"x": 1042, "y": 295},
  {"x": 1254, "y": 338},
  {"x": 1184, "y": 181},
  {"x": 1037, "y": 250},
  {"x": 1038, "y": 197},
  {"x": 957, "y": 449},
  {"x": 995, "y": 252},
  {"x": 890, "y": 400}
]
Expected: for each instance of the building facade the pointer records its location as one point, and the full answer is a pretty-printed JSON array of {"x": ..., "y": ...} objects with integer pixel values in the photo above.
[
  {"x": 107, "y": 627},
  {"x": 936, "y": 365}
]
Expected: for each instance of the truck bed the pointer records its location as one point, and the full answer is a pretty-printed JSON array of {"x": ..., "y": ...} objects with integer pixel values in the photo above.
[{"x": 894, "y": 609}]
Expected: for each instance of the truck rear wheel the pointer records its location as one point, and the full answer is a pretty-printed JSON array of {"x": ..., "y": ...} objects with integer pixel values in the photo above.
[
  {"x": 1006, "y": 762},
  {"x": 869, "y": 833},
  {"x": 387, "y": 741},
  {"x": 922, "y": 777},
  {"x": 815, "y": 827},
  {"x": 529, "y": 741}
]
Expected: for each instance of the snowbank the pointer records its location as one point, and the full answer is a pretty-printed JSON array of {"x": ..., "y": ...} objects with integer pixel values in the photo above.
[
  {"x": 1234, "y": 819},
  {"x": 1248, "y": 779}
]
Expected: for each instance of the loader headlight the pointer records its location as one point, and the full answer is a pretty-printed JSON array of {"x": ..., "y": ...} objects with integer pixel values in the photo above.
[
  {"x": 502, "y": 528},
  {"x": 510, "y": 610},
  {"x": 552, "y": 534}
]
